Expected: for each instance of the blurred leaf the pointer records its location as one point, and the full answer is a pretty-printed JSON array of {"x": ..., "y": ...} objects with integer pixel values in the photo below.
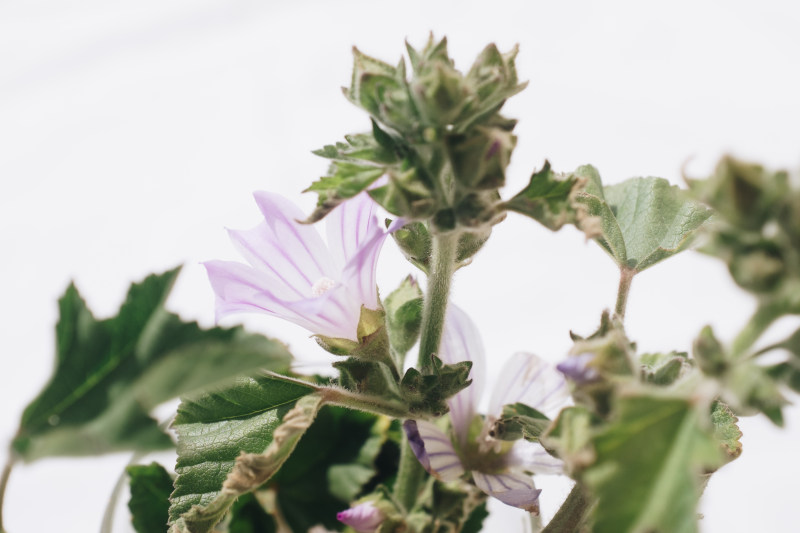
[
  {"x": 233, "y": 426},
  {"x": 664, "y": 368},
  {"x": 520, "y": 421},
  {"x": 569, "y": 436},
  {"x": 642, "y": 220},
  {"x": 546, "y": 199},
  {"x": 150, "y": 486},
  {"x": 110, "y": 373},
  {"x": 249, "y": 516},
  {"x": 648, "y": 463}
]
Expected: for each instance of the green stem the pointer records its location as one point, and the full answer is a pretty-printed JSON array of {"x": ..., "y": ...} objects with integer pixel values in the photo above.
[
  {"x": 363, "y": 402},
  {"x": 443, "y": 263},
  {"x": 410, "y": 477},
  {"x": 12, "y": 458},
  {"x": 410, "y": 474},
  {"x": 765, "y": 315},
  {"x": 625, "y": 278},
  {"x": 572, "y": 514}
]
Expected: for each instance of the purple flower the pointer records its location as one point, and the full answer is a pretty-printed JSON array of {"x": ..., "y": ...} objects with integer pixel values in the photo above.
[
  {"x": 578, "y": 368},
  {"x": 294, "y": 276},
  {"x": 364, "y": 517},
  {"x": 498, "y": 468}
]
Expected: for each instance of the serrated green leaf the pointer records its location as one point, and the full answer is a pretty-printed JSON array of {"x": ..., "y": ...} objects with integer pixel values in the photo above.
[
  {"x": 520, "y": 421},
  {"x": 150, "y": 487},
  {"x": 648, "y": 463},
  {"x": 233, "y": 426},
  {"x": 547, "y": 198},
  {"x": 404, "y": 315},
  {"x": 110, "y": 373},
  {"x": 643, "y": 220},
  {"x": 726, "y": 431}
]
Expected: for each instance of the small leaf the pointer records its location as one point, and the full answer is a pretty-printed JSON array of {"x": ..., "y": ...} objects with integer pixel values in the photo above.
[
  {"x": 648, "y": 464},
  {"x": 547, "y": 198},
  {"x": 414, "y": 240},
  {"x": 726, "y": 431},
  {"x": 111, "y": 373},
  {"x": 151, "y": 486},
  {"x": 234, "y": 426},
  {"x": 404, "y": 315},
  {"x": 643, "y": 220}
]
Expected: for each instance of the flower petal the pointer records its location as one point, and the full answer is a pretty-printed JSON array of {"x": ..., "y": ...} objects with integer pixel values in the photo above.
[
  {"x": 461, "y": 342},
  {"x": 531, "y": 380},
  {"x": 359, "y": 272},
  {"x": 349, "y": 225},
  {"x": 512, "y": 489},
  {"x": 300, "y": 242},
  {"x": 240, "y": 288},
  {"x": 434, "y": 450},
  {"x": 364, "y": 517},
  {"x": 532, "y": 457}
]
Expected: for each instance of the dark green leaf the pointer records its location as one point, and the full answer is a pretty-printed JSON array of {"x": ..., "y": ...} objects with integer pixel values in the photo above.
[
  {"x": 149, "y": 503},
  {"x": 110, "y": 373},
  {"x": 547, "y": 198},
  {"x": 215, "y": 428},
  {"x": 641, "y": 220},
  {"x": 337, "y": 437},
  {"x": 648, "y": 464},
  {"x": 249, "y": 516},
  {"x": 427, "y": 393}
]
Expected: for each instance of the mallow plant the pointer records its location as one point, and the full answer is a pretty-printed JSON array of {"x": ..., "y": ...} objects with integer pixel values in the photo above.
[{"x": 399, "y": 443}]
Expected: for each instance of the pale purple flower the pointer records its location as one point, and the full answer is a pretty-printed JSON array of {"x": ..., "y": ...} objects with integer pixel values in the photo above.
[
  {"x": 578, "y": 368},
  {"x": 293, "y": 275},
  {"x": 500, "y": 469},
  {"x": 364, "y": 517}
]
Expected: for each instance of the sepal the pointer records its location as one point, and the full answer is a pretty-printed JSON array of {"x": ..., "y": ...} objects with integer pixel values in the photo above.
[
  {"x": 427, "y": 393},
  {"x": 404, "y": 315}
]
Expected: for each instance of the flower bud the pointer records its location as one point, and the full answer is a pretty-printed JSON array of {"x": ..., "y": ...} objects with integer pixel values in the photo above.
[{"x": 364, "y": 517}]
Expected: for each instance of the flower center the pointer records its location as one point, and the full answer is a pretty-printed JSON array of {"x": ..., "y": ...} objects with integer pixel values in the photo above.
[{"x": 322, "y": 285}]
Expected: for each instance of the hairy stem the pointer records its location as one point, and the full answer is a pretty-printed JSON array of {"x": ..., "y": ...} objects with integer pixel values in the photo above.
[
  {"x": 12, "y": 458},
  {"x": 625, "y": 278},
  {"x": 443, "y": 262},
  {"x": 572, "y": 514},
  {"x": 363, "y": 402},
  {"x": 762, "y": 319}
]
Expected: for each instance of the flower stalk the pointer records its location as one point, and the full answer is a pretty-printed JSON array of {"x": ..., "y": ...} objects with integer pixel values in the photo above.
[
  {"x": 443, "y": 264},
  {"x": 625, "y": 278}
]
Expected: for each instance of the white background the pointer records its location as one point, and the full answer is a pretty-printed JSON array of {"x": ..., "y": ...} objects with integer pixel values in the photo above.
[{"x": 132, "y": 133}]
